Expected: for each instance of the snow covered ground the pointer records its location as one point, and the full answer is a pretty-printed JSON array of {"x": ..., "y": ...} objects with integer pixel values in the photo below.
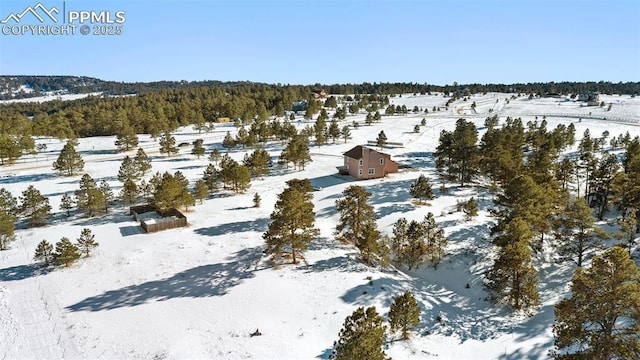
[{"x": 200, "y": 291}]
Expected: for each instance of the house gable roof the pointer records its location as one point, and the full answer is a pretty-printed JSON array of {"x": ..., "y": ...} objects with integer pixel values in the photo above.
[{"x": 356, "y": 152}]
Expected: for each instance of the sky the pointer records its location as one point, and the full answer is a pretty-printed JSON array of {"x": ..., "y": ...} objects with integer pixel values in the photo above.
[{"x": 335, "y": 41}]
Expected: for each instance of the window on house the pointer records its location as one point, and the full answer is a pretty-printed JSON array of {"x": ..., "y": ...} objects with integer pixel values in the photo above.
[
  {"x": 360, "y": 172},
  {"x": 372, "y": 171},
  {"x": 381, "y": 161},
  {"x": 360, "y": 162}
]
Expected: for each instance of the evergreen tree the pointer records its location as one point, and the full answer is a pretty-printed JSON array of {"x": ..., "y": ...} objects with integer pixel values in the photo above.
[
  {"x": 580, "y": 235},
  {"x": 416, "y": 129},
  {"x": 8, "y": 202},
  {"x": 381, "y": 140},
  {"x": 200, "y": 190},
  {"x": 69, "y": 161},
  {"x": 628, "y": 229},
  {"x": 434, "y": 238},
  {"x": 129, "y": 192},
  {"x": 512, "y": 278},
  {"x": 470, "y": 208},
  {"x": 66, "y": 252},
  {"x": 258, "y": 162},
  {"x": 128, "y": 170},
  {"x": 414, "y": 250},
  {"x": 603, "y": 177},
  {"x": 35, "y": 206},
  {"x": 168, "y": 144},
  {"x": 44, "y": 253},
  {"x": 66, "y": 203},
  {"x": 88, "y": 197},
  {"x": 142, "y": 163},
  {"x": 404, "y": 314},
  {"x": 345, "y": 133},
  {"x": 334, "y": 130},
  {"x": 399, "y": 238},
  {"x": 242, "y": 137},
  {"x": 7, "y": 228},
  {"x": 357, "y": 224},
  {"x": 228, "y": 142},
  {"x": 237, "y": 176},
  {"x": 320, "y": 131},
  {"x": 87, "y": 242},
  {"x": 421, "y": 189},
  {"x": 601, "y": 319},
  {"x": 9, "y": 149},
  {"x": 297, "y": 152},
  {"x": 107, "y": 194},
  {"x": 215, "y": 156},
  {"x": 172, "y": 192},
  {"x": 198, "y": 149},
  {"x": 126, "y": 138},
  {"x": 211, "y": 177},
  {"x": 256, "y": 200},
  {"x": 423, "y": 122},
  {"x": 292, "y": 223},
  {"x": 361, "y": 337}
]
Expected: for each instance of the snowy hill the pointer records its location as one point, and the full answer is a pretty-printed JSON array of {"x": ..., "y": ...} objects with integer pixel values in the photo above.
[{"x": 200, "y": 291}]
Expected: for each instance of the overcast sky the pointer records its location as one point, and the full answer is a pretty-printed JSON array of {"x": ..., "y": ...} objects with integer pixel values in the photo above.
[{"x": 338, "y": 41}]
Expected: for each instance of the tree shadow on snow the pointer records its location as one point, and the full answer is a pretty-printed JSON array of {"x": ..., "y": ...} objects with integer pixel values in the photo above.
[
  {"x": 21, "y": 272},
  {"x": 202, "y": 281},
  {"x": 26, "y": 178},
  {"x": 258, "y": 225}
]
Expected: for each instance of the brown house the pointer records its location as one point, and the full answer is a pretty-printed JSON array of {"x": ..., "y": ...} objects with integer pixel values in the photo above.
[{"x": 365, "y": 163}]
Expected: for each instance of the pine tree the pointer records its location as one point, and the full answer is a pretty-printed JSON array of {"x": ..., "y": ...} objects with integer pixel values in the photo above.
[
  {"x": 358, "y": 225},
  {"x": 87, "y": 242},
  {"x": 414, "y": 249},
  {"x": 128, "y": 170},
  {"x": 423, "y": 122},
  {"x": 9, "y": 149},
  {"x": 399, "y": 238},
  {"x": 44, "y": 253},
  {"x": 334, "y": 130},
  {"x": 7, "y": 228},
  {"x": 211, "y": 177},
  {"x": 361, "y": 337},
  {"x": 421, "y": 189},
  {"x": 236, "y": 175},
  {"x": 126, "y": 138},
  {"x": 66, "y": 203},
  {"x": 142, "y": 163},
  {"x": 88, "y": 197},
  {"x": 256, "y": 200},
  {"x": 628, "y": 229},
  {"x": 107, "y": 194},
  {"x": 404, "y": 314},
  {"x": 172, "y": 192},
  {"x": 200, "y": 190},
  {"x": 470, "y": 208},
  {"x": 434, "y": 238},
  {"x": 512, "y": 278},
  {"x": 168, "y": 144},
  {"x": 580, "y": 235},
  {"x": 320, "y": 131},
  {"x": 69, "y": 161},
  {"x": 345, "y": 133},
  {"x": 198, "y": 149},
  {"x": 416, "y": 129},
  {"x": 354, "y": 212},
  {"x": 66, "y": 252},
  {"x": 601, "y": 319},
  {"x": 258, "y": 162},
  {"x": 297, "y": 152},
  {"x": 292, "y": 223},
  {"x": 129, "y": 192},
  {"x": 35, "y": 206},
  {"x": 214, "y": 157},
  {"x": 381, "y": 140},
  {"x": 228, "y": 142},
  {"x": 8, "y": 202}
]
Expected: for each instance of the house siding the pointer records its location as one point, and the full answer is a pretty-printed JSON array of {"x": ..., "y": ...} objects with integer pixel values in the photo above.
[{"x": 370, "y": 160}]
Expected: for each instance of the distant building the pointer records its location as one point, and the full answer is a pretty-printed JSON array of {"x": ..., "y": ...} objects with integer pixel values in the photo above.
[
  {"x": 365, "y": 163},
  {"x": 591, "y": 98},
  {"x": 299, "y": 106}
]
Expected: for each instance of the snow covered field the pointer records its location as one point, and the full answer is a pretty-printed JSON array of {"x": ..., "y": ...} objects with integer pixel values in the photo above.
[{"x": 200, "y": 291}]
